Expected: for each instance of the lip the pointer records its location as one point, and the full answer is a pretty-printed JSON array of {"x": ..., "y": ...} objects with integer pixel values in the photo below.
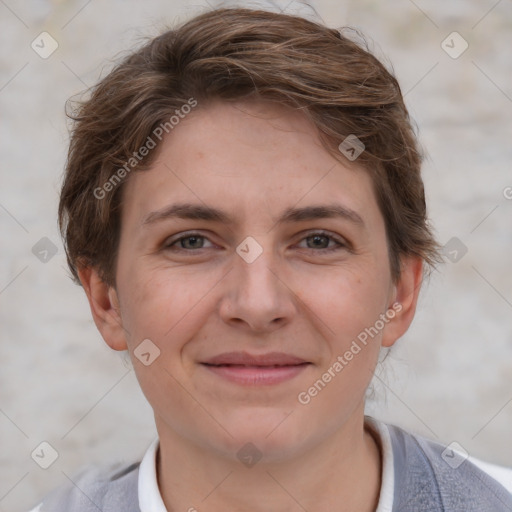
[
  {"x": 257, "y": 375},
  {"x": 253, "y": 370},
  {"x": 244, "y": 358}
]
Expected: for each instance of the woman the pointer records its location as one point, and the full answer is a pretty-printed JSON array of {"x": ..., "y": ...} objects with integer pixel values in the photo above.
[{"x": 244, "y": 209}]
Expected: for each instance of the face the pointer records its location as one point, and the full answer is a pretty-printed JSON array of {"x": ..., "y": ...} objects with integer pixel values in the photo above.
[{"x": 276, "y": 247}]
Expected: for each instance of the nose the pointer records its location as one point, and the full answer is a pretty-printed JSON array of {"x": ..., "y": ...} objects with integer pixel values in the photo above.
[{"x": 256, "y": 295}]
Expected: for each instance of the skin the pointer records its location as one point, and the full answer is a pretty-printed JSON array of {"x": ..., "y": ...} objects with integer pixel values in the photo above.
[{"x": 198, "y": 298}]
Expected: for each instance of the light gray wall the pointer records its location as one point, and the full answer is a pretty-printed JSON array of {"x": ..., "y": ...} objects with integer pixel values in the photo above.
[{"x": 449, "y": 377}]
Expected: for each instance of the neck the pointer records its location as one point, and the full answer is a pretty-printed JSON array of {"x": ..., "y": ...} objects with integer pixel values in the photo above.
[{"x": 342, "y": 473}]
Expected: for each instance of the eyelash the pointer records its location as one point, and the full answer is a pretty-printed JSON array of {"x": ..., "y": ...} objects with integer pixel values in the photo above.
[{"x": 340, "y": 243}]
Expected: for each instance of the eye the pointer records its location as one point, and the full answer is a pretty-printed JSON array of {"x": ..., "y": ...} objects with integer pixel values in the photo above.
[
  {"x": 188, "y": 242},
  {"x": 320, "y": 240}
]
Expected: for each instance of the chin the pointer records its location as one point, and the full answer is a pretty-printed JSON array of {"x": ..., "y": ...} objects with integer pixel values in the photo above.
[{"x": 274, "y": 438}]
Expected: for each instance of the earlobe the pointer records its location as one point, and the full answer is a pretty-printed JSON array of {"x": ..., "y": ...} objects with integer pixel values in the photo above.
[
  {"x": 406, "y": 292},
  {"x": 105, "y": 310}
]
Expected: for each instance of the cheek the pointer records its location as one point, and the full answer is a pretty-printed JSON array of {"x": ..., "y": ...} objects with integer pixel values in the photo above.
[
  {"x": 350, "y": 306},
  {"x": 163, "y": 304},
  {"x": 347, "y": 300},
  {"x": 159, "y": 307}
]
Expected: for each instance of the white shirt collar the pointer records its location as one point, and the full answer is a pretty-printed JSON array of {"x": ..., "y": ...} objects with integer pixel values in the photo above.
[
  {"x": 387, "y": 486},
  {"x": 150, "y": 499}
]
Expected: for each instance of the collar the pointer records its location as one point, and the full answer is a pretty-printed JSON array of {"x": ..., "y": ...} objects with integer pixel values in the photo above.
[
  {"x": 387, "y": 486},
  {"x": 150, "y": 499}
]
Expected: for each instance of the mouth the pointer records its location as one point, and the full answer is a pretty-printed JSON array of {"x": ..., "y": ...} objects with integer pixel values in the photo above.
[
  {"x": 256, "y": 375},
  {"x": 246, "y": 359},
  {"x": 265, "y": 366}
]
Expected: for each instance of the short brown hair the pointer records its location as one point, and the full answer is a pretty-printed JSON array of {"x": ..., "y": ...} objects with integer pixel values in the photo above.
[{"x": 232, "y": 54}]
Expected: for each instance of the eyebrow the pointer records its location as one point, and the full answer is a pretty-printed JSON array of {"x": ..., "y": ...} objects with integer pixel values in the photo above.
[{"x": 201, "y": 212}]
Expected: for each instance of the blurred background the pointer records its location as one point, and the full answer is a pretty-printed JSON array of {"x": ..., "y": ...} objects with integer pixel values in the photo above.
[{"x": 448, "y": 379}]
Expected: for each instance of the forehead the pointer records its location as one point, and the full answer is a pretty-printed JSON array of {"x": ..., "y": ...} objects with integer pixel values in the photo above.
[{"x": 250, "y": 159}]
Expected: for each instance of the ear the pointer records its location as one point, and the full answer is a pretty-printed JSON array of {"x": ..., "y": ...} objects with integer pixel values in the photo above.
[
  {"x": 105, "y": 309},
  {"x": 404, "y": 298}
]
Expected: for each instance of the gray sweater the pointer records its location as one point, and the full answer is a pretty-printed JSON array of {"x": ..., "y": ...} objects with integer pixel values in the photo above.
[{"x": 424, "y": 482}]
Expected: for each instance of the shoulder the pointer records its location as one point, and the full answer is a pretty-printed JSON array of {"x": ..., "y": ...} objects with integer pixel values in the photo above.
[
  {"x": 432, "y": 476},
  {"x": 92, "y": 489}
]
